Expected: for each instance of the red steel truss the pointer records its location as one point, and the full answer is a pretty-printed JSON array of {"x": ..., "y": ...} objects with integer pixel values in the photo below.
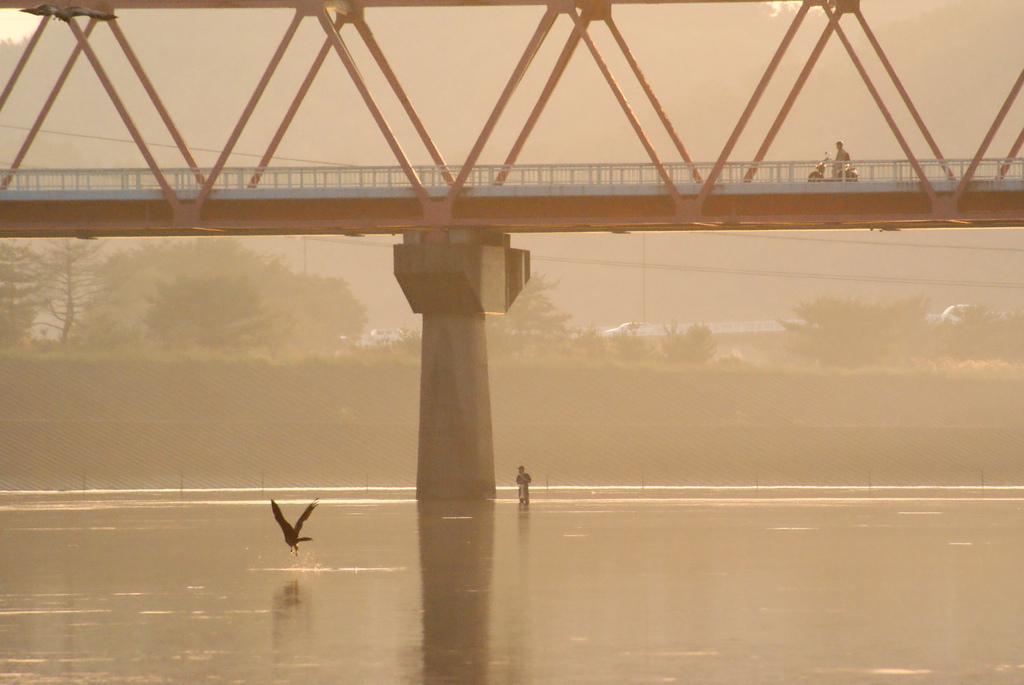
[{"x": 670, "y": 210}]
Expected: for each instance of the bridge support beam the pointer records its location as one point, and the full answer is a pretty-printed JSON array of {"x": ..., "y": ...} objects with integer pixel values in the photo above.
[{"x": 454, "y": 283}]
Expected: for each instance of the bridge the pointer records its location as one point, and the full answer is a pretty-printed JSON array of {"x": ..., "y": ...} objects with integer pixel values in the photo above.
[
  {"x": 584, "y": 197},
  {"x": 456, "y": 262}
]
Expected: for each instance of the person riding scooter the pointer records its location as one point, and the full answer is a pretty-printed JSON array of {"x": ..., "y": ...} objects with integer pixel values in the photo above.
[
  {"x": 842, "y": 170},
  {"x": 842, "y": 155}
]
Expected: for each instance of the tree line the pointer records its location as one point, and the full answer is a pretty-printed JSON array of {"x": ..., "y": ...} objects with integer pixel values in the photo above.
[
  {"x": 826, "y": 331},
  {"x": 216, "y": 294},
  {"x": 209, "y": 293},
  {"x": 845, "y": 332}
]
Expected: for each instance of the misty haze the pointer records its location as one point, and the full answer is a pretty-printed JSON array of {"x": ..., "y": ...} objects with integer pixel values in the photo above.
[{"x": 777, "y": 452}]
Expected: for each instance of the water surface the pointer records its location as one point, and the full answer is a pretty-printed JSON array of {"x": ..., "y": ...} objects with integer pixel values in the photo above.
[{"x": 603, "y": 586}]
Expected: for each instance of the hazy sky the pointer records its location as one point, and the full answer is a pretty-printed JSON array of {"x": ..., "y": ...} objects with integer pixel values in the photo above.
[
  {"x": 956, "y": 57},
  {"x": 14, "y": 25}
]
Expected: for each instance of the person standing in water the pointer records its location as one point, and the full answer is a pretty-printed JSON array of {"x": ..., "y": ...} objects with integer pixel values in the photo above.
[{"x": 523, "y": 480}]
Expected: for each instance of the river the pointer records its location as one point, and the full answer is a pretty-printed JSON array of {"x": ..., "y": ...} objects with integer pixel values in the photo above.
[{"x": 583, "y": 586}]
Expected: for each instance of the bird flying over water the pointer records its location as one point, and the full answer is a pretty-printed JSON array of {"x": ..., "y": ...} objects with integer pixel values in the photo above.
[
  {"x": 291, "y": 535},
  {"x": 70, "y": 13}
]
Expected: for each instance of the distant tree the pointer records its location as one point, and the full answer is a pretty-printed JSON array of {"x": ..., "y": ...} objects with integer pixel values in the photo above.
[
  {"x": 630, "y": 346},
  {"x": 590, "y": 342},
  {"x": 20, "y": 292},
  {"x": 533, "y": 320},
  {"x": 410, "y": 343},
  {"x": 323, "y": 309},
  {"x": 849, "y": 332},
  {"x": 131, "y": 277},
  {"x": 102, "y": 330},
  {"x": 981, "y": 333},
  {"x": 315, "y": 311},
  {"x": 695, "y": 345},
  {"x": 217, "y": 313},
  {"x": 1012, "y": 338},
  {"x": 69, "y": 273}
]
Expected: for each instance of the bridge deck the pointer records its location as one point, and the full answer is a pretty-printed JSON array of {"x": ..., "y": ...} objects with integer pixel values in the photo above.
[{"x": 520, "y": 198}]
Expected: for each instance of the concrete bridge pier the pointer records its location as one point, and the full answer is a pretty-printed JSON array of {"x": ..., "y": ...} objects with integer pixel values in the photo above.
[{"x": 454, "y": 279}]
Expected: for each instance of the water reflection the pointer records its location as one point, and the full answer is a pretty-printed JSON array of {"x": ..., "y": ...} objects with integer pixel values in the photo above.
[
  {"x": 456, "y": 560},
  {"x": 520, "y": 608},
  {"x": 290, "y": 627}
]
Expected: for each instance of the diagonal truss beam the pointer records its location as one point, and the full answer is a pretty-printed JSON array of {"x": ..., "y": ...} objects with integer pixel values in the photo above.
[
  {"x": 275, "y": 60},
  {"x": 580, "y": 31},
  {"x": 378, "y": 116},
  {"x": 655, "y": 103},
  {"x": 545, "y": 96},
  {"x": 543, "y": 28},
  {"x": 925, "y": 183},
  {"x": 333, "y": 39},
  {"x": 382, "y": 63},
  {"x": 805, "y": 74},
  {"x": 48, "y": 105},
  {"x": 901, "y": 90},
  {"x": 293, "y": 109},
  {"x": 773, "y": 65},
  {"x": 122, "y": 111},
  {"x": 82, "y": 45},
  {"x": 371, "y": 43},
  {"x": 834, "y": 27},
  {"x": 621, "y": 97},
  {"x": 1014, "y": 151},
  {"x": 154, "y": 97},
  {"x": 20, "y": 66},
  {"x": 787, "y": 106},
  {"x": 996, "y": 125}
]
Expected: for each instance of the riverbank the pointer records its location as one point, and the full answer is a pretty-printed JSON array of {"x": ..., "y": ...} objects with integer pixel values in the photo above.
[{"x": 69, "y": 424}]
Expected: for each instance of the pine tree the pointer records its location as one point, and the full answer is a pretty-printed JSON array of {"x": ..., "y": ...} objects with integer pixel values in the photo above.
[{"x": 20, "y": 288}]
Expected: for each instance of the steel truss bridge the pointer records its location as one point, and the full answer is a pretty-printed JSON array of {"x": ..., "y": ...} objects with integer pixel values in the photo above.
[
  {"x": 658, "y": 195},
  {"x": 526, "y": 198},
  {"x": 365, "y": 200}
]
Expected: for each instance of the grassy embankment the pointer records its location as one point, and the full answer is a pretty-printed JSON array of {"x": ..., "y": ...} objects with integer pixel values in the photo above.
[{"x": 219, "y": 422}]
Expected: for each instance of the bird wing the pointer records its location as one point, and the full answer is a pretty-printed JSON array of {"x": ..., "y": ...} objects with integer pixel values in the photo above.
[
  {"x": 41, "y": 10},
  {"x": 305, "y": 515},
  {"x": 286, "y": 527},
  {"x": 86, "y": 12}
]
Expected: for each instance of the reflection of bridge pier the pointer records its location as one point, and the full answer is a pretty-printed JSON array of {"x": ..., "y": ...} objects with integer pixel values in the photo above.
[
  {"x": 454, "y": 283},
  {"x": 456, "y": 559}
]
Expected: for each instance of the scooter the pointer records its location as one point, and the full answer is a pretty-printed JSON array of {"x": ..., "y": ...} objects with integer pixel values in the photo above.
[
  {"x": 847, "y": 172},
  {"x": 819, "y": 169}
]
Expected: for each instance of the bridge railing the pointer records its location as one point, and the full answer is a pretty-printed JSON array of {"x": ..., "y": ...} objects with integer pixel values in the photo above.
[{"x": 184, "y": 181}]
